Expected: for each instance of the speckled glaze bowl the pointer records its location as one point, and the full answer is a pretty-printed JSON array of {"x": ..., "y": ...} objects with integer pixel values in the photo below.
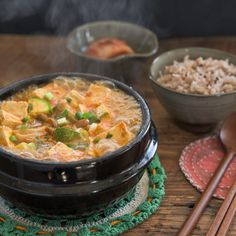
[
  {"x": 124, "y": 67},
  {"x": 194, "y": 110}
]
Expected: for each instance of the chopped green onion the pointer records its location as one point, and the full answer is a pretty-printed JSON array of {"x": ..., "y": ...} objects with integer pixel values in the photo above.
[
  {"x": 69, "y": 100},
  {"x": 25, "y": 119},
  {"x": 30, "y": 107},
  {"x": 79, "y": 115},
  {"x": 13, "y": 138},
  {"x": 49, "y": 96},
  {"x": 109, "y": 136},
  {"x": 62, "y": 121},
  {"x": 94, "y": 119},
  {"x": 96, "y": 140},
  {"x": 87, "y": 115},
  {"x": 22, "y": 127},
  {"x": 65, "y": 113}
]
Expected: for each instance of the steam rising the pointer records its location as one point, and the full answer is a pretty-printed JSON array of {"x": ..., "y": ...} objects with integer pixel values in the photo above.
[
  {"x": 16, "y": 9},
  {"x": 78, "y": 12},
  {"x": 61, "y": 16}
]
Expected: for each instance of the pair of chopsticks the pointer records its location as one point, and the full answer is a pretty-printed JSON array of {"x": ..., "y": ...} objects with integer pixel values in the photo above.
[
  {"x": 202, "y": 203},
  {"x": 225, "y": 215}
]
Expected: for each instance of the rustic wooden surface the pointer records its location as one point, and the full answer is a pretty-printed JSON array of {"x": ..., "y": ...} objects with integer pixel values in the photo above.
[{"x": 24, "y": 56}]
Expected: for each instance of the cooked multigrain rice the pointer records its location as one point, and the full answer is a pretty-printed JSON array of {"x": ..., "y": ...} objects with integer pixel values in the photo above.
[{"x": 200, "y": 76}]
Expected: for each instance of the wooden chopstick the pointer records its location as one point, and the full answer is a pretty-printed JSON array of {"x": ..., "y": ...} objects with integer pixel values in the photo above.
[
  {"x": 225, "y": 225},
  {"x": 222, "y": 211},
  {"x": 200, "y": 206}
]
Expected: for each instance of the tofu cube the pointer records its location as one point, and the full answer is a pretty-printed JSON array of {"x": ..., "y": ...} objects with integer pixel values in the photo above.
[
  {"x": 26, "y": 146},
  {"x": 62, "y": 152},
  {"x": 95, "y": 129},
  {"x": 119, "y": 133},
  {"x": 9, "y": 120},
  {"x": 39, "y": 93},
  {"x": 75, "y": 98},
  {"x": 30, "y": 134},
  {"x": 5, "y": 133},
  {"x": 97, "y": 93},
  {"x": 102, "y": 111},
  {"x": 18, "y": 109}
]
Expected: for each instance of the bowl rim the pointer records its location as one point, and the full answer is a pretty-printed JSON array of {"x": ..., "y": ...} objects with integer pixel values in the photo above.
[
  {"x": 154, "y": 80},
  {"x": 118, "y": 58},
  {"x": 38, "y": 79}
]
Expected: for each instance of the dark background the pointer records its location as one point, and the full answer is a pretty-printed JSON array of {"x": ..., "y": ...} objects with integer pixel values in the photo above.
[{"x": 167, "y": 18}]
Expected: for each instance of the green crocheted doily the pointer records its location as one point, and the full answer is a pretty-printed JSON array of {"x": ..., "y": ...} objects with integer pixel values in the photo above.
[{"x": 131, "y": 210}]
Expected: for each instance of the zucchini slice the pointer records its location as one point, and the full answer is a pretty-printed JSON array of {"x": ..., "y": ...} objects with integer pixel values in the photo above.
[{"x": 39, "y": 106}]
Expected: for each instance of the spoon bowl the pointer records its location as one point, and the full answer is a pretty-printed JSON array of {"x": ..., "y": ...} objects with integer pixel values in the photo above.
[{"x": 228, "y": 133}]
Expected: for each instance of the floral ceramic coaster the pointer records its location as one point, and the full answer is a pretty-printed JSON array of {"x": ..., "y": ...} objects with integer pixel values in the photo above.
[{"x": 200, "y": 159}]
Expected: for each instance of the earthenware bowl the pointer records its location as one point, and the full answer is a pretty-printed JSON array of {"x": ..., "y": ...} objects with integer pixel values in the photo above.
[
  {"x": 76, "y": 188},
  {"x": 198, "y": 111},
  {"x": 124, "y": 67}
]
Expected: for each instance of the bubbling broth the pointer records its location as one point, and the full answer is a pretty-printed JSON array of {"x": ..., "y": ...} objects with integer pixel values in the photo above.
[{"x": 68, "y": 119}]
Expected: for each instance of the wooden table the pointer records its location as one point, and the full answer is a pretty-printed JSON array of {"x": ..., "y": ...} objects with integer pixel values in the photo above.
[{"x": 24, "y": 56}]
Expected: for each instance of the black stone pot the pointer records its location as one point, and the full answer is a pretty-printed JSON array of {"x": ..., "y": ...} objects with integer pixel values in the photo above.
[{"x": 76, "y": 188}]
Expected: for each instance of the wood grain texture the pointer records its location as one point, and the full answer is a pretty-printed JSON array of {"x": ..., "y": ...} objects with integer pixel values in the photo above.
[{"x": 24, "y": 56}]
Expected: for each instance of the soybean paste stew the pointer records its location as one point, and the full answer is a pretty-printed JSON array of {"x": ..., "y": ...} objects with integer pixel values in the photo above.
[{"x": 68, "y": 119}]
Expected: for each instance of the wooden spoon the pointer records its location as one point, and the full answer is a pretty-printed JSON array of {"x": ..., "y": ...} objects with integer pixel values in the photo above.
[{"x": 228, "y": 139}]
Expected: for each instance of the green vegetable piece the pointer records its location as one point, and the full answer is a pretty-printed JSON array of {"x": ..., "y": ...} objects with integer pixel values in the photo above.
[
  {"x": 81, "y": 142},
  {"x": 103, "y": 115},
  {"x": 49, "y": 96},
  {"x": 69, "y": 100},
  {"x": 65, "y": 113},
  {"x": 13, "y": 138},
  {"x": 32, "y": 146},
  {"x": 79, "y": 115},
  {"x": 40, "y": 106},
  {"x": 30, "y": 107},
  {"x": 109, "y": 136},
  {"x": 25, "y": 119},
  {"x": 96, "y": 140},
  {"x": 62, "y": 121},
  {"x": 65, "y": 135},
  {"x": 87, "y": 115},
  {"x": 94, "y": 119},
  {"x": 84, "y": 135},
  {"x": 22, "y": 127}
]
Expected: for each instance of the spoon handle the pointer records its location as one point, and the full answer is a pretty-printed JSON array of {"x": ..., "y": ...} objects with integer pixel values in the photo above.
[{"x": 192, "y": 220}]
